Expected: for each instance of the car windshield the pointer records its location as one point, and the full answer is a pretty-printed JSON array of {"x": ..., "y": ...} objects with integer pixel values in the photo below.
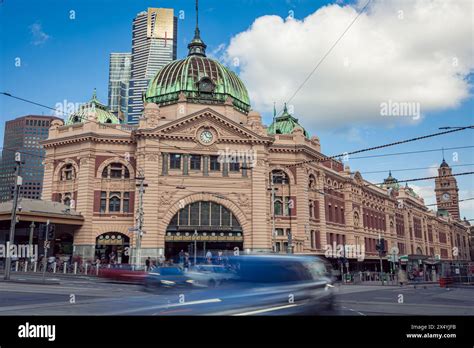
[
  {"x": 169, "y": 271},
  {"x": 272, "y": 271}
]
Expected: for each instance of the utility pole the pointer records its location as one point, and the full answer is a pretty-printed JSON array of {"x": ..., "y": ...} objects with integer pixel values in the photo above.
[
  {"x": 272, "y": 185},
  {"x": 381, "y": 248},
  {"x": 139, "y": 220},
  {"x": 30, "y": 241},
  {"x": 195, "y": 247},
  {"x": 18, "y": 183},
  {"x": 46, "y": 247}
]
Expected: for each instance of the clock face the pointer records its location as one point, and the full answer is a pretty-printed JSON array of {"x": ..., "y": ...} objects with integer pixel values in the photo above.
[
  {"x": 206, "y": 137},
  {"x": 445, "y": 197}
]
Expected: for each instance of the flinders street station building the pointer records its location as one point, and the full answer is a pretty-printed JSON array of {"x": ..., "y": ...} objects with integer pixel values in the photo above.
[{"x": 202, "y": 170}]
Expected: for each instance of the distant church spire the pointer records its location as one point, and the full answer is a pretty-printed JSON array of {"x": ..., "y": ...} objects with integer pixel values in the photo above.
[{"x": 197, "y": 47}]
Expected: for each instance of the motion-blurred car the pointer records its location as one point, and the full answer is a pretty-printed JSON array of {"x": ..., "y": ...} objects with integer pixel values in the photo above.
[
  {"x": 264, "y": 285},
  {"x": 166, "y": 278},
  {"x": 278, "y": 285},
  {"x": 210, "y": 275},
  {"x": 123, "y": 273}
]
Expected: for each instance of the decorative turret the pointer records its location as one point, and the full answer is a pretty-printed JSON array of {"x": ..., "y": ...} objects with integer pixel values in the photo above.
[
  {"x": 285, "y": 124},
  {"x": 94, "y": 111}
]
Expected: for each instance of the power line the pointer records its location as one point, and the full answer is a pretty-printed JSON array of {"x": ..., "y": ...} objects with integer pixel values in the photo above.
[
  {"x": 327, "y": 158},
  {"x": 401, "y": 181},
  {"x": 83, "y": 121},
  {"x": 409, "y": 169},
  {"x": 459, "y": 200},
  {"x": 327, "y": 53},
  {"x": 413, "y": 152}
]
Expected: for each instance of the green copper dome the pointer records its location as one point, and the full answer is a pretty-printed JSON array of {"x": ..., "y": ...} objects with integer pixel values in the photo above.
[
  {"x": 285, "y": 124},
  {"x": 201, "y": 79},
  {"x": 94, "y": 110}
]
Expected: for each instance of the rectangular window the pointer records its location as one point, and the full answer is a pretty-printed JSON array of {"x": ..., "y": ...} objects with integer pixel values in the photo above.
[
  {"x": 175, "y": 161},
  {"x": 184, "y": 216},
  {"x": 225, "y": 217},
  {"x": 318, "y": 239},
  {"x": 313, "y": 242},
  {"x": 194, "y": 217},
  {"x": 215, "y": 214},
  {"x": 126, "y": 202},
  {"x": 215, "y": 165},
  {"x": 103, "y": 202},
  {"x": 205, "y": 213},
  {"x": 195, "y": 162},
  {"x": 279, "y": 232},
  {"x": 234, "y": 166}
]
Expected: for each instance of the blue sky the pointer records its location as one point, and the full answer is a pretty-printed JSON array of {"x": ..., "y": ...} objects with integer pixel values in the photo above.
[{"x": 65, "y": 59}]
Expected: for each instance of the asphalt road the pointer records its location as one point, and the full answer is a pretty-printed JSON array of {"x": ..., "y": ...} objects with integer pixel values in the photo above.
[{"x": 91, "y": 296}]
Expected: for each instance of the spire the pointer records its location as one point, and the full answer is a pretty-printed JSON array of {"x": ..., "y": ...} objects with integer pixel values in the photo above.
[
  {"x": 197, "y": 47},
  {"x": 94, "y": 94},
  {"x": 285, "y": 109}
]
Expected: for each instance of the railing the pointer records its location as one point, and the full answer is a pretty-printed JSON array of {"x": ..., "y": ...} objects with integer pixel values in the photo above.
[{"x": 75, "y": 268}]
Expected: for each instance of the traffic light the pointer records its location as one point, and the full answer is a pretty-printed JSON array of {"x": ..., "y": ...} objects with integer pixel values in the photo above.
[
  {"x": 380, "y": 247},
  {"x": 42, "y": 231}
]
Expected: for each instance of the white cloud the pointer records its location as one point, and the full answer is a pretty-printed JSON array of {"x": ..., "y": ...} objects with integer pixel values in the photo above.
[
  {"x": 411, "y": 51},
  {"x": 39, "y": 37}
]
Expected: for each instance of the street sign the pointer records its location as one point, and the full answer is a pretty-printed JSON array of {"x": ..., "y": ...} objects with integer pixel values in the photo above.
[
  {"x": 132, "y": 229},
  {"x": 392, "y": 258},
  {"x": 47, "y": 244}
]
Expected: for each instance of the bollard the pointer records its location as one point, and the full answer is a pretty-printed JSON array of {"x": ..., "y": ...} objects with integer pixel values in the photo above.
[
  {"x": 16, "y": 266},
  {"x": 108, "y": 266},
  {"x": 26, "y": 266},
  {"x": 34, "y": 266},
  {"x": 65, "y": 267},
  {"x": 54, "y": 267},
  {"x": 85, "y": 272},
  {"x": 75, "y": 267},
  {"x": 97, "y": 269}
]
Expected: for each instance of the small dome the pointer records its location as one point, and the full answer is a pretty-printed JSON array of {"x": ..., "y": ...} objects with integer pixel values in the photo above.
[
  {"x": 391, "y": 182},
  {"x": 285, "y": 124},
  {"x": 444, "y": 164},
  {"x": 94, "y": 110}
]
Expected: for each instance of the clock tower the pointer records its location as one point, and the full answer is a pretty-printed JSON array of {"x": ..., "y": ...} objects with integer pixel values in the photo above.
[{"x": 446, "y": 189}]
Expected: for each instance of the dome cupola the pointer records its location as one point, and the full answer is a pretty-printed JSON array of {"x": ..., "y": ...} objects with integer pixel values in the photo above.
[
  {"x": 285, "y": 124},
  {"x": 200, "y": 79},
  {"x": 92, "y": 110}
]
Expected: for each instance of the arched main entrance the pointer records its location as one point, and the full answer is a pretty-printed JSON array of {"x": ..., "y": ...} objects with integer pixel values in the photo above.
[
  {"x": 203, "y": 226},
  {"x": 111, "y": 247}
]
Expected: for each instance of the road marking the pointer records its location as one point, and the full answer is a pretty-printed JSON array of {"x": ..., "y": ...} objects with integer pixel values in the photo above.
[
  {"x": 168, "y": 305},
  {"x": 362, "y": 314},
  {"x": 266, "y": 310}
]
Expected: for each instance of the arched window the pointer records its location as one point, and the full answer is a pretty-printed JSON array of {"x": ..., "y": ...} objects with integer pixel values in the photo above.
[
  {"x": 204, "y": 213},
  {"x": 67, "y": 172},
  {"x": 114, "y": 202},
  {"x": 116, "y": 171},
  {"x": 278, "y": 207},
  {"x": 279, "y": 177}
]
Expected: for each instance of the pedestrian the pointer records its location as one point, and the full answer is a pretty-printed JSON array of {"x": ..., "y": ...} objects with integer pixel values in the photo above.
[
  {"x": 147, "y": 263},
  {"x": 402, "y": 277},
  {"x": 209, "y": 256}
]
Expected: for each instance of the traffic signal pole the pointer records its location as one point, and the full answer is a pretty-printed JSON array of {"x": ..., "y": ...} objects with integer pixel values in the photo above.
[{"x": 11, "y": 239}]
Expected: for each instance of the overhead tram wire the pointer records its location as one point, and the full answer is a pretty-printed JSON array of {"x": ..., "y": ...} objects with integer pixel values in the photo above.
[
  {"x": 460, "y": 200},
  {"x": 402, "y": 181},
  {"x": 321, "y": 60},
  {"x": 84, "y": 121},
  {"x": 290, "y": 165},
  {"x": 411, "y": 169},
  {"x": 413, "y": 152},
  {"x": 327, "y": 158}
]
